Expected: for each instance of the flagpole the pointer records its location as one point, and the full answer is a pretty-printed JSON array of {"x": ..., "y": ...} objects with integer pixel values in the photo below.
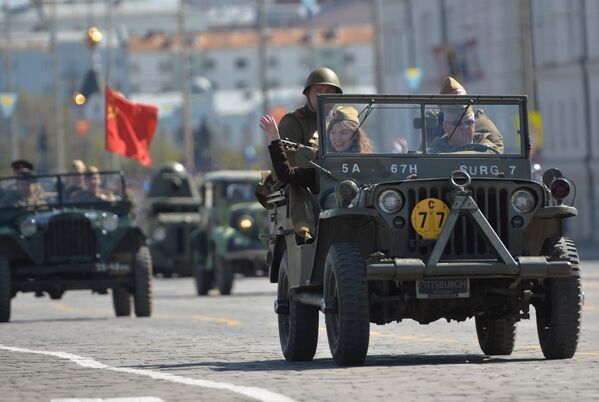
[
  {"x": 58, "y": 109},
  {"x": 187, "y": 126}
]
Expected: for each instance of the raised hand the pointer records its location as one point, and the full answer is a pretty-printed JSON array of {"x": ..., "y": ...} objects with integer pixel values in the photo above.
[{"x": 269, "y": 126}]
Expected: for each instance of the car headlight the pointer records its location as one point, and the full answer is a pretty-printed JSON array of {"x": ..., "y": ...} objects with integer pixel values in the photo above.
[
  {"x": 109, "y": 221},
  {"x": 245, "y": 222},
  {"x": 28, "y": 227},
  {"x": 523, "y": 201},
  {"x": 159, "y": 234},
  {"x": 390, "y": 201}
]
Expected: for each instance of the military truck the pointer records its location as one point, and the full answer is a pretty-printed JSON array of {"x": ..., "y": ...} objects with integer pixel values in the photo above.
[
  {"x": 171, "y": 219},
  {"x": 71, "y": 232},
  {"x": 461, "y": 232},
  {"x": 232, "y": 220}
]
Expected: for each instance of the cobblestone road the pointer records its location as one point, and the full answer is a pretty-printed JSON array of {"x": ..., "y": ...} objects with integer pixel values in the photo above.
[{"x": 227, "y": 349}]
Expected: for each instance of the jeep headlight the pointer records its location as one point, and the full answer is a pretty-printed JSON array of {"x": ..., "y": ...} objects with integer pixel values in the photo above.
[
  {"x": 390, "y": 201},
  {"x": 523, "y": 200},
  {"x": 159, "y": 234},
  {"x": 245, "y": 222},
  {"x": 28, "y": 227},
  {"x": 109, "y": 221}
]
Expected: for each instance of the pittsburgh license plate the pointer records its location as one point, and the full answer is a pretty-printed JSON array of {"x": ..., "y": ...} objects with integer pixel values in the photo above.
[{"x": 443, "y": 288}]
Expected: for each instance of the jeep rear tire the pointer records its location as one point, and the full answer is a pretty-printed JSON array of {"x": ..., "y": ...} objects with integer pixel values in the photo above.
[
  {"x": 223, "y": 274},
  {"x": 348, "y": 326},
  {"x": 121, "y": 300},
  {"x": 298, "y": 327},
  {"x": 5, "y": 292},
  {"x": 496, "y": 337},
  {"x": 559, "y": 314},
  {"x": 142, "y": 294},
  {"x": 203, "y": 280}
]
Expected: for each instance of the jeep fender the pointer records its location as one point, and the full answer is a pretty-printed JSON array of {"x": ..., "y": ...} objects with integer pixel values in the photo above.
[
  {"x": 354, "y": 225},
  {"x": 275, "y": 258},
  {"x": 220, "y": 239}
]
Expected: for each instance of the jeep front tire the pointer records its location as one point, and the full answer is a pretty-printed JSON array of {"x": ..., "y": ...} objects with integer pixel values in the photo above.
[
  {"x": 5, "y": 292},
  {"x": 346, "y": 289},
  {"x": 142, "y": 271}
]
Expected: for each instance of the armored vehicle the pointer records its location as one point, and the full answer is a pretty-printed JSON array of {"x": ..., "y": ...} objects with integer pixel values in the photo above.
[
  {"x": 455, "y": 232},
  {"x": 70, "y": 232},
  {"x": 171, "y": 218},
  {"x": 232, "y": 219}
]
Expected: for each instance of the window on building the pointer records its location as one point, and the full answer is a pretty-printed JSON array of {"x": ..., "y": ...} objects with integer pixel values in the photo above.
[
  {"x": 349, "y": 58},
  {"x": 241, "y": 84},
  {"x": 241, "y": 63},
  {"x": 209, "y": 64},
  {"x": 273, "y": 62}
]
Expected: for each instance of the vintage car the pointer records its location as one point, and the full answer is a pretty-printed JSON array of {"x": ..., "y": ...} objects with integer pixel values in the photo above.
[
  {"x": 69, "y": 232},
  {"x": 232, "y": 221},
  {"x": 433, "y": 232},
  {"x": 171, "y": 219}
]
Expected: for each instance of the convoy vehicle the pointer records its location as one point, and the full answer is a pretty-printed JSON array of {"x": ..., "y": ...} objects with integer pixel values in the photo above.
[
  {"x": 463, "y": 233},
  {"x": 56, "y": 234},
  {"x": 232, "y": 220},
  {"x": 171, "y": 220}
]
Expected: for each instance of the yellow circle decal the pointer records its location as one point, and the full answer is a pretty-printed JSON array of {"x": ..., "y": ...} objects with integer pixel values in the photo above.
[{"x": 428, "y": 218}]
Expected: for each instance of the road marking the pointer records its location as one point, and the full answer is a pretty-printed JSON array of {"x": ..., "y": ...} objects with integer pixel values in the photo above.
[
  {"x": 259, "y": 394},
  {"x": 594, "y": 309},
  {"x": 197, "y": 317},
  {"x": 126, "y": 399}
]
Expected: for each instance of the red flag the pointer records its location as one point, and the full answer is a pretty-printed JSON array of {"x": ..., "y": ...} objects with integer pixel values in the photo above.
[{"x": 129, "y": 127}]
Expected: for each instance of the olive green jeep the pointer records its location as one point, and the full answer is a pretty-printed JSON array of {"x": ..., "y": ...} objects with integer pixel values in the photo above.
[
  {"x": 171, "y": 219},
  {"x": 415, "y": 230},
  {"x": 232, "y": 221},
  {"x": 70, "y": 232}
]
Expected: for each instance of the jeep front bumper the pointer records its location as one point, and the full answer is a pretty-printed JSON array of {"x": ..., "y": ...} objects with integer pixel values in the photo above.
[{"x": 411, "y": 269}]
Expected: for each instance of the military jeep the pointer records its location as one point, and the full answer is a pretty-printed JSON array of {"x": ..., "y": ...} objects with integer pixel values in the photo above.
[
  {"x": 232, "y": 220},
  {"x": 171, "y": 220},
  {"x": 70, "y": 232},
  {"x": 458, "y": 233}
]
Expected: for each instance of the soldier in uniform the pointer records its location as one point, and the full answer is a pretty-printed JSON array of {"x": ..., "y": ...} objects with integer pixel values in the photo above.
[
  {"x": 76, "y": 181},
  {"x": 460, "y": 129},
  {"x": 26, "y": 194},
  {"x": 299, "y": 126},
  {"x": 484, "y": 124}
]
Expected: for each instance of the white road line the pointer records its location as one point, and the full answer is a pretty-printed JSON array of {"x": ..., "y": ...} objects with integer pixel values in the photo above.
[
  {"x": 126, "y": 399},
  {"x": 259, "y": 394}
]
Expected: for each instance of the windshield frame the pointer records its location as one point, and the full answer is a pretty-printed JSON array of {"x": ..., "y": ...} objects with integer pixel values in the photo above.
[{"x": 425, "y": 102}]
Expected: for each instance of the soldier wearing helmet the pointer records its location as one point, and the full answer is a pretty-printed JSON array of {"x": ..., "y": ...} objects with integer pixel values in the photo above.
[{"x": 299, "y": 126}]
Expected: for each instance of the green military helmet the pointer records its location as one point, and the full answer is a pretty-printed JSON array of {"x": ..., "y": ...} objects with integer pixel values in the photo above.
[
  {"x": 324, "y": 76},
  {"x": 172, "y": 167}
]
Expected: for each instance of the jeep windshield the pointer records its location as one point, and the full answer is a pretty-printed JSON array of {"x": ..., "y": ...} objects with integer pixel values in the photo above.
[
  {"x": 415, "y": 126},
  {"x": 27, "y": 190}
]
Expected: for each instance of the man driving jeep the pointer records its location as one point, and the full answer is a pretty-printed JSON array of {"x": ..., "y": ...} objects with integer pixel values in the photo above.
[{"x": 460, "y": 130}]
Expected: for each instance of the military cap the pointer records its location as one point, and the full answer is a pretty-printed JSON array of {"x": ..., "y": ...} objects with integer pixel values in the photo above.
[
  {"x": 344, "y": 112},
  {"x": 26, "y": 174},
  {"x": 451, "y": 86},
  {"x": 21, "y": 164}
]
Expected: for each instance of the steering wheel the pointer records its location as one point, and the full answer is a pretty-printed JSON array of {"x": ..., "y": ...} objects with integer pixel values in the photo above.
[{"x": 474, "y": 147}]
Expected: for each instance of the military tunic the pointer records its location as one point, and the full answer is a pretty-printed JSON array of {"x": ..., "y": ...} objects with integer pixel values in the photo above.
[{"x": 298, "y": 126}]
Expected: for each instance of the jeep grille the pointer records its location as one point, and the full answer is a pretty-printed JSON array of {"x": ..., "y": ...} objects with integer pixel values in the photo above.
[
  {"x": 69, "y": 237},
  {"x": 466, "y": 240}
]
